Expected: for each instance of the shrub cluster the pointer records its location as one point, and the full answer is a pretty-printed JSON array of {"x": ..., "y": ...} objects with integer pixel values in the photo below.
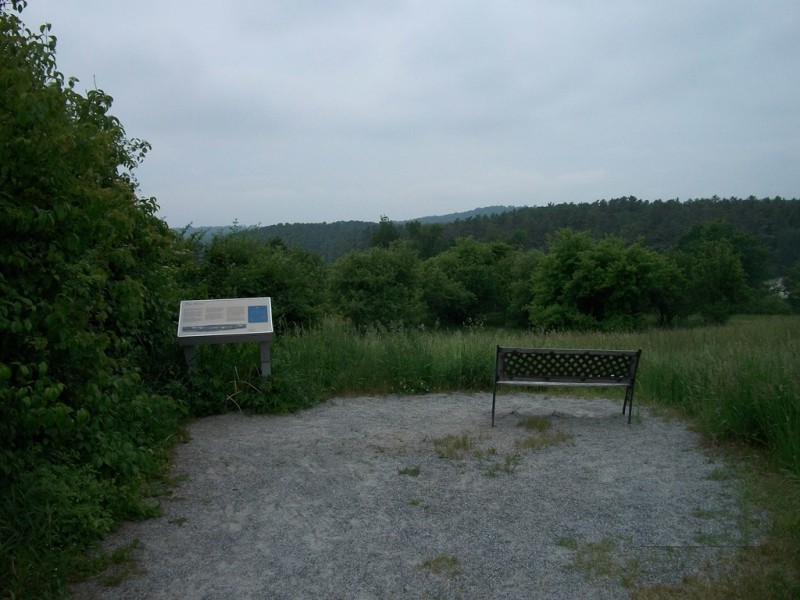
[
  {"x": 577, "y": 282},
  {"x": 86, "y": 300}
]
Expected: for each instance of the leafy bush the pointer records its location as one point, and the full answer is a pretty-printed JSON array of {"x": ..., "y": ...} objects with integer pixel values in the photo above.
[
  {"x": 239, "y": 266},
  {"x": 581, "y": 283},
  {"x": 87, "y": 300},
  {"x": 380, "y": 286},
  {"x": 470, "y": 282}
]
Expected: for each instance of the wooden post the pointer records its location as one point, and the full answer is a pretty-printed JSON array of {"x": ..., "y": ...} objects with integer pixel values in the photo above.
[
  {"x": 190, "y": 352},
  {"x": 266, "y": 366}
]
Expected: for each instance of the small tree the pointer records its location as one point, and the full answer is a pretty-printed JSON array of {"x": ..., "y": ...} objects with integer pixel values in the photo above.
[
  {"x": 791, "y": 282},
  {"x": 753, "y": 256},
  {"x": 385, "y": 234},
  {"x": 717, "y": 282},
  {"x": 667, "y": 288},
  {"x": 380, "y": 286},
  {"x": 426, "y": 239},
  {"x": 521, "y": 286},
  {"x": 582, "y": 283},
  {"x": 480, "y": 273}
]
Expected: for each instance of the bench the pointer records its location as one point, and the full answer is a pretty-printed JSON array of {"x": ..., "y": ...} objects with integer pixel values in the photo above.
[{"x": 546, "y": 367}]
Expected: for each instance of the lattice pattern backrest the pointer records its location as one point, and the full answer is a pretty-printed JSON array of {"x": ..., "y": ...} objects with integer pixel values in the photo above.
[{"x": 587, "y": 366}]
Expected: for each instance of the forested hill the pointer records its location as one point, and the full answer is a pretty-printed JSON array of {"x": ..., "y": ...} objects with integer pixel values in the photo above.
[
  {"x": 659, "y": 224},
  {"x": 487, "y": 211},
  {"x": 329, "y": 240},
  {"x": 332, "y": 240}
]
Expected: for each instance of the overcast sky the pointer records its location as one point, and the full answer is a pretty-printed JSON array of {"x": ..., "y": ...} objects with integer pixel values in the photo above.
[{"x": 320, "y": 110}]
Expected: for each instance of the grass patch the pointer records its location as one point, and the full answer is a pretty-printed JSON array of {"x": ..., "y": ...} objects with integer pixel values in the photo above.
[
  {"x": 485, "y": 453},
  {"x": 535, "y": 423},
  {"x": 599, "y": 560},
  {"x": 568, "y": 543},
  {"x": 454, "y": 447},
  {"x": 722, "y": 473},
  {"x": 596, "y": 559},
  {"x": 700, "y": 513},
  {"x": 460, "y": 447},
  {"x": 508, "y": 466},
  {"x": 548, "y": 438},
  {"x": 111, "y": 569},
  {"x": 409, "y": 471},
  {"x": 444, "y": 564}
]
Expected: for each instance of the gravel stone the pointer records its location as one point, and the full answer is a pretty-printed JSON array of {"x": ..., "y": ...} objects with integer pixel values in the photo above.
[{"x": 327, "y": 503}]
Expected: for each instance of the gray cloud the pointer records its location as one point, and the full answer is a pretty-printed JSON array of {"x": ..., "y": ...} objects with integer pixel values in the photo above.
[{"x": 317, "y": 111}]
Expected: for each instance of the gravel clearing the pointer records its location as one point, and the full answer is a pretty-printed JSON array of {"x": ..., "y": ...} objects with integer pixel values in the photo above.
[{"x": 352, "y": 499}]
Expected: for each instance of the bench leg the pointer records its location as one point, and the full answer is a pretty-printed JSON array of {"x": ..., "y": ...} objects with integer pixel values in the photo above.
[
  {"x": 494, "y": 395},
  {"x": 628, "y": 403}
]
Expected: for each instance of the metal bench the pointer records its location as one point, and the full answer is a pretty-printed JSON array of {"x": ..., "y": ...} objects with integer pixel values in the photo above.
[{"x": 546, "y": 367}]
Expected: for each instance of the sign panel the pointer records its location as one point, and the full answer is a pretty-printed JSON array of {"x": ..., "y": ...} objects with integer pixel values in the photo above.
[{"x": 230, "y": 318}]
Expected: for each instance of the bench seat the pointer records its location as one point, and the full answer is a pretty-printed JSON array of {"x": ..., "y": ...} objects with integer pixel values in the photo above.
[{"x": 550, "y": 367}]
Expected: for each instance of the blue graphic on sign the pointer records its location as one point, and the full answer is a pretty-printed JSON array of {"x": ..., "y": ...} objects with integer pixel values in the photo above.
[{"x": 258, "y": 314}]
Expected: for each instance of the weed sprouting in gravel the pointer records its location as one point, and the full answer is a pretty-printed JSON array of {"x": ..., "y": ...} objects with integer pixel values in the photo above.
[
  {"x": 443, "y": 564},
  {"x": 453, "y": 447},
  {"x": 409, "y": 471}
]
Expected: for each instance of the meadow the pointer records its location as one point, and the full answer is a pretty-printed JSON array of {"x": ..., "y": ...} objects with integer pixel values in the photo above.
[{"x": 737, "y": 383}]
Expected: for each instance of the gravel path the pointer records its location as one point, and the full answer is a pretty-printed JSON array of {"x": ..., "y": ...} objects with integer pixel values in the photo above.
[{"x": 352, "y": 500}]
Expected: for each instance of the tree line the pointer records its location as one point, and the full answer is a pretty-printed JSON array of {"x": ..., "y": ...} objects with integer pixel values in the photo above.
[
  {"x": 578, "y": 281},
  {"x": 658, "y": 224}
]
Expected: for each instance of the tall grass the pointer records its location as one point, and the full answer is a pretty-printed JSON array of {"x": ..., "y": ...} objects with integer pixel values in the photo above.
[
  {"x": 344, "y": 361},
  {"x": 739, "y": 382}
]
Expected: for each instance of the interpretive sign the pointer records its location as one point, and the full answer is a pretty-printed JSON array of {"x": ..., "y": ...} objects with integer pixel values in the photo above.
[{"x": 225, "y": 321}]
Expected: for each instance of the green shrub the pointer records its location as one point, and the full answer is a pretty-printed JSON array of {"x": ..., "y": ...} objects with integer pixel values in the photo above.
[
  {"x": 238, "y": 266},
  {"x": 87, "y": 302},
  {"x": 379, "y": 287}
]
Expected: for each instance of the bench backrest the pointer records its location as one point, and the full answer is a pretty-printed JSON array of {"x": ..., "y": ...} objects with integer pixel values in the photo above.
[{"x": 567, "y": 366}]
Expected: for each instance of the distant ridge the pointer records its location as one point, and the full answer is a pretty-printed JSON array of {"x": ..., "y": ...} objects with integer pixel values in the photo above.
[
  {"x": 332, "y": 240},
  {"x": 486, "y": 211},
  {"x": 206, "y": 233},
  {"x": 658, "y": 224},
  {"x": 460, "y": 216}
]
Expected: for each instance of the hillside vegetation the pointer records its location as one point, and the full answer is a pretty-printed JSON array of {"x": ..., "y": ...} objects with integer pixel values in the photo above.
[{"x": 658, "y": 224}]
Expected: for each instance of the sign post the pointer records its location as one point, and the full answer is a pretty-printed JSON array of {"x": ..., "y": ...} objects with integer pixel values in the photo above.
[{"x": 226, "y": 321}]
